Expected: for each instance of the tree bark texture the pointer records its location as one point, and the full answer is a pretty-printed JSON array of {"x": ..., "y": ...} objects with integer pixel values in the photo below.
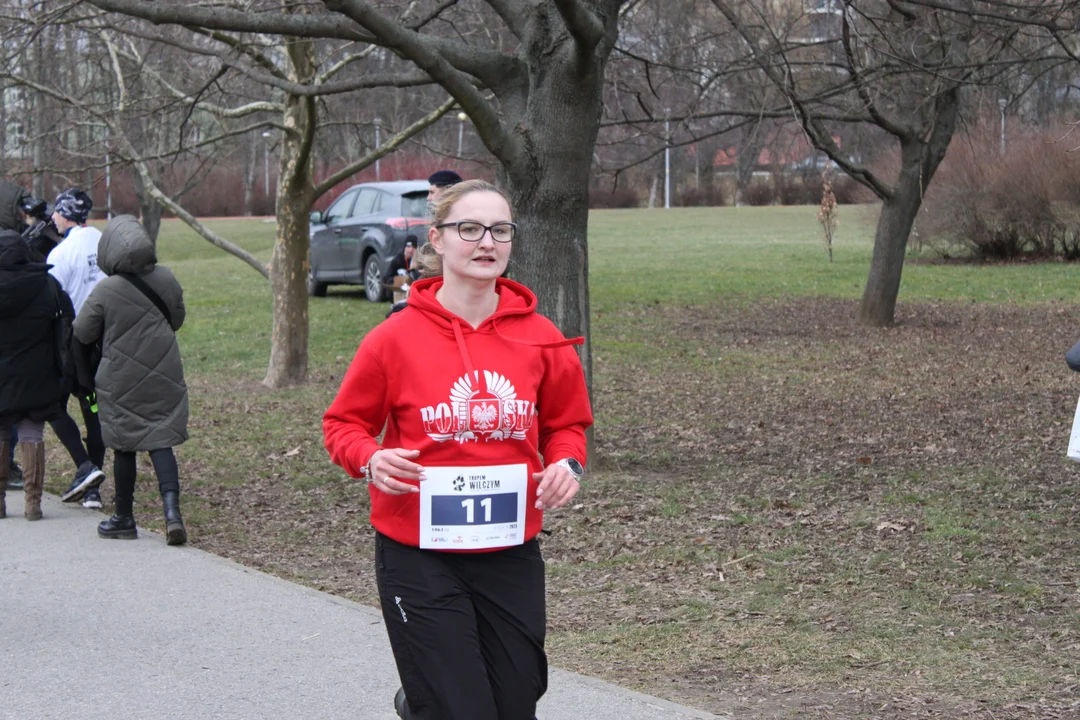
[{"x": 289, "y": 266}]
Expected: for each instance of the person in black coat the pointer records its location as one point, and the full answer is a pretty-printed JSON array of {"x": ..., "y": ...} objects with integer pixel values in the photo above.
[
  {"x": 35, "y": 320},
  {"x": 12, "y": 217}
]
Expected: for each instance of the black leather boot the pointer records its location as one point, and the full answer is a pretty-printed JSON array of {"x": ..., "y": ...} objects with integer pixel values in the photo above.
[
  {"x": 175, "y": 533},
  {"x": 118, "y": 527}
]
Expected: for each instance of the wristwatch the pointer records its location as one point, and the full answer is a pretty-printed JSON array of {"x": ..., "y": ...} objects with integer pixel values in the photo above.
[{"x": 575, "y": 468}]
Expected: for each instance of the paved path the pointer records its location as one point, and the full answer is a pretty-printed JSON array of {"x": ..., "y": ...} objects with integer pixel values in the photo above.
[{"x": 127, "y": 630}]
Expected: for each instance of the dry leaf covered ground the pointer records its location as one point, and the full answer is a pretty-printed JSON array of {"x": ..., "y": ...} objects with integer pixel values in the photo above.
[{"x": 789, "y": 516}]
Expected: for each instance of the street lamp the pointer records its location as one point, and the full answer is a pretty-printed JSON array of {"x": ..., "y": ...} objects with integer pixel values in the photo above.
[
  {"x": 266, "y": 162},
  {"x": 377, "y": 121},
  {"x": 462, "y": 117},
  {"x": 1003, "y": 102},
  {"x": 667, "y": 159}
]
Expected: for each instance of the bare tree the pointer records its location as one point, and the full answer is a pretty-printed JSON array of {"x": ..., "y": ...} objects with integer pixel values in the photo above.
[{"x": 900, "y": 67}]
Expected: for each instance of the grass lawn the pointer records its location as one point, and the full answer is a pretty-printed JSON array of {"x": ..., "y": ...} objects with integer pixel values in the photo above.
[{"x": 790, "y": 515}]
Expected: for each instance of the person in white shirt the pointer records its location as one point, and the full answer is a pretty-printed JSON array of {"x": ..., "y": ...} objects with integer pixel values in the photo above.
[
  {"x": 74, "y": 260},
  {"x": 74, "y": 265}
]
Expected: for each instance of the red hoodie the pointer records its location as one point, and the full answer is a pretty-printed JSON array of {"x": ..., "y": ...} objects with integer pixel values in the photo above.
[{"x": 506, "y": 393}]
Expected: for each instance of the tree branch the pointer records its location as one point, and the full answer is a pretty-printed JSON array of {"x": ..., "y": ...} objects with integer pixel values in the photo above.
[
  {"x": 176, "y": 209},
  {"x": 297, "y": 25},
  {"x": 275, "y": 80},
  {"x": 860, "y": 87},
  {"x": 383, "y": 150},
  {"x": 811, "y": 125},
  {"x": 514, "y": 13},
  {"x": 343, "y": 63},
  {"x": 583, "y": 25},
  {"x": 183, "y": 96},
  {"x": 429, "y": 55},
  {"x": 241, "y": 47},
  {"x": 433, "y": 15}
]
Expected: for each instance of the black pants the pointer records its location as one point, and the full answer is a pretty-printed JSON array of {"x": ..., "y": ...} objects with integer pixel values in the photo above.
[
  {"x": 68, "y": 433},
  {"x": 125, "y": 470},
  {"x": 467, "y": 630}
]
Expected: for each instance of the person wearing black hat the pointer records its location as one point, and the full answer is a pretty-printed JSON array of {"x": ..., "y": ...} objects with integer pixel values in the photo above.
[
  {"x": 74, "y": 265},
  {"x": 439, "y": 181}
]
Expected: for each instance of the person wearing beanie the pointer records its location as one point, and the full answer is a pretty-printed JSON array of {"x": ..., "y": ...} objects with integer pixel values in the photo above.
[
  {"x": 439, "y": 181},
  {"x": 74, "y": 265}
]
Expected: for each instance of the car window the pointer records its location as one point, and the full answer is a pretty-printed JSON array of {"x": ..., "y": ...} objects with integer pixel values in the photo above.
[
  {"x": 365, "y": 202},
  {"x": 340, "y": 209},
  {"x": 414, "y": 205},
  {"x": 380, "y": 203}
]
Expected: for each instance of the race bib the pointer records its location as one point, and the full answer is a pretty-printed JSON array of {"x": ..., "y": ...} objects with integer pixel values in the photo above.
[{"x": 473, "y": 508}]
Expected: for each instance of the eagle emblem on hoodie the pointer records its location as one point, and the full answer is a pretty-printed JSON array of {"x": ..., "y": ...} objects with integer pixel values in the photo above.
[{"x": 477, "y": 408}]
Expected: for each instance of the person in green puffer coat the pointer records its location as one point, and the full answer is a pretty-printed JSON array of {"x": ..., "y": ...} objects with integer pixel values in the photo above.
[{"x": 141, "y": 394}]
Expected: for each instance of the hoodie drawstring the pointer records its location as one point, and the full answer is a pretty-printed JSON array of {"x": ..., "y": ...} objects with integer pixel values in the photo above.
[
  {"x": 462, "y": 348},
  {"x": 580, "y": 340}
]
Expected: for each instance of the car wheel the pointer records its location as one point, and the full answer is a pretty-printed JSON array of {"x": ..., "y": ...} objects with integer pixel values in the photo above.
[
  {"x": 373, "y": 286},
  {"x": 314, "y": 287}
]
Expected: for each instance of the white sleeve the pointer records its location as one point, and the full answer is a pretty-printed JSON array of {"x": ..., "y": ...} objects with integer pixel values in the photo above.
[{"x": 61, "y": 267}]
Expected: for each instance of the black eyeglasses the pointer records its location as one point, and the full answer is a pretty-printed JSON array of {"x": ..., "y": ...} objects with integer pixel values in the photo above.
[{"x": 471, "y": 231}]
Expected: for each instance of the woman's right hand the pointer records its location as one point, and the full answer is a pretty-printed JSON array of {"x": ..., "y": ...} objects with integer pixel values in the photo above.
[{"x": 389, "y": 466}]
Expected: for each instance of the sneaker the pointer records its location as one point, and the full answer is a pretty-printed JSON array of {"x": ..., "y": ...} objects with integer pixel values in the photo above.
[
  {"x": 92, "y": 499},
  {"x": 86, "y": 477},
  {"x": 15, "y": 476}
]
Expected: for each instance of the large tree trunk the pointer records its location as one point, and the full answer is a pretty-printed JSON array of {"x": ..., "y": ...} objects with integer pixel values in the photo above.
[
  {"x": 920, "y": 157},
  {"x": 549, "y": 188},
  {"x": 553, "y": 257},
  {"x": 890, "y": 245},
  {"x": 288, "y": 269}
]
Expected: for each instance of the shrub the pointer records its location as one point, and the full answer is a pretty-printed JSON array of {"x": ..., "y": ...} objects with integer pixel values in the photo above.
[
  {"x": 620, "y": 197},
  {"x": 700, "y": 197},
  {"x": 758, "y": 192},
  {"x": 790, "y": 191},
  {"x": 995, "y": 207},
  {"x": 850, "y": 192}
]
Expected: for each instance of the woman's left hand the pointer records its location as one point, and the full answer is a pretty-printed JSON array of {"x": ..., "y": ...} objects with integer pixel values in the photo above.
[{"x": 557, "y": 487}]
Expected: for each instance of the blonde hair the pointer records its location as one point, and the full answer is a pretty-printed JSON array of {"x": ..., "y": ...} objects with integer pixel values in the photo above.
[{"x": 429, "y": 261}]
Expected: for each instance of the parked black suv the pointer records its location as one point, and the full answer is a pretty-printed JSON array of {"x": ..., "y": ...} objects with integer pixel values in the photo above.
[{"x": 356, "y": 239}]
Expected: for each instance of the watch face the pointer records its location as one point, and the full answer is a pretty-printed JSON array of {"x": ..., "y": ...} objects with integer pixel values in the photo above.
[{"x": 575, "y": 466}]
